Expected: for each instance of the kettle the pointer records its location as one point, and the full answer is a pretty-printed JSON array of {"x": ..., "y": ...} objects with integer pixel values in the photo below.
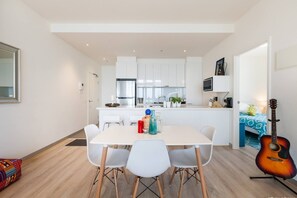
[{"x": 228, "y": 102}]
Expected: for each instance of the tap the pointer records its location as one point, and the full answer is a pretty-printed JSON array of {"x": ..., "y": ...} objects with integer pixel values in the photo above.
[
  {"x": 172, "y": 94},
  {"x": 160, "y": 97}
]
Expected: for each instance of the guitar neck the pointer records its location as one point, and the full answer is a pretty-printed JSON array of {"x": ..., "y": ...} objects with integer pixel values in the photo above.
[{"x": 273, "y": 126}]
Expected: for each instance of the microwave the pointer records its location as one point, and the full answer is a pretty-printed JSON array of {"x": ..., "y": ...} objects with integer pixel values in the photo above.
[
  {"x": 217, "y": 84},
  {"x": 207, "y": 84}
]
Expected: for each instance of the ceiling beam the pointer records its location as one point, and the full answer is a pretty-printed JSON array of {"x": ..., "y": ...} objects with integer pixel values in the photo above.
[{"x": 142, "y": 28}]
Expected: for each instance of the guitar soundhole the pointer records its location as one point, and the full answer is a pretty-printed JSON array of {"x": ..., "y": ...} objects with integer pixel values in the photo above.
[{"x": 274, "y": 147}]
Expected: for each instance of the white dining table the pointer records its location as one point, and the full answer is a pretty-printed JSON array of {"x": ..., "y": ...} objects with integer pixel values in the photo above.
[{"x": 172, "y": 136}]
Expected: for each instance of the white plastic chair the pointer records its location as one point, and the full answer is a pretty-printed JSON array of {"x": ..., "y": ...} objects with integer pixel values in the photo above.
[
  {"x": 148, "y": 158},
  {"x": 116, "y": 158},
  {"x": 185, "y": 159},
  {"x": 114, "y": 119},
  {"x": 134, "y": 119}
]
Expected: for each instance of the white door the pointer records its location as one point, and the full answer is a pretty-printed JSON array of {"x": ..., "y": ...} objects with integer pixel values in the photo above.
[{"x": 93, "y": 98}]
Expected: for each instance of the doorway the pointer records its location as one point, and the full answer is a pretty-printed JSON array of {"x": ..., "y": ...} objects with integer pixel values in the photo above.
[
  {"x": 93, "y": 98},
  {"x": 251, "y": 93}
]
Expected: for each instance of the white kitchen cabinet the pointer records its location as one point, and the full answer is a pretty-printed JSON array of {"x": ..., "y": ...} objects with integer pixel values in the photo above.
[
  {"x": 220, "y": 118},
  {"x": 164, "y": 75},
  {"x": 149, "y": 75},
  {"x": 217, "y": 84},
  {"x": 126, "y": 67},
  {"x": 180, "y": 75},
  {"x": 141, "y": 75},
  {"x": 161, "y": 72},
  {"x": 157, "y": 75},
  {"x": 172, "y": 75}
]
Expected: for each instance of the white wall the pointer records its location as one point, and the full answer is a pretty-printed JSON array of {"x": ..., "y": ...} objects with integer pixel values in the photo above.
[
  {"x": 273, "y": 18},
  {"x": 253, "y": 76},
  {"x": 51, "y": 105},
  {"x": 108, "y": 83}
]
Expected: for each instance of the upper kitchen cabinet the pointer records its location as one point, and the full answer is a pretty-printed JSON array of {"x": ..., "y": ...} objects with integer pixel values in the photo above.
[
  {"x": 180, "y": 75},
  {"x": 217, "y": 84},
  {"x": 126, "y": 67},
  {"x": 141, "y": 75},
  {"x": 161, "y": 72}
]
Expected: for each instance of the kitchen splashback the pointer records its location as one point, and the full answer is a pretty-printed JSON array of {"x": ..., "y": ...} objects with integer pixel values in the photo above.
[{"x": 159, "y": 94}]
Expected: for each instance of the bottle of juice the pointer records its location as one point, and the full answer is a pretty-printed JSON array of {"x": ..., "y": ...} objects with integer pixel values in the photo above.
[{"x": 146, "y": 120}]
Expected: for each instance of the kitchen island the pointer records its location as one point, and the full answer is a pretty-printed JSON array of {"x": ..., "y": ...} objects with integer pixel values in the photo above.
[{"x": 196, "y": 116}]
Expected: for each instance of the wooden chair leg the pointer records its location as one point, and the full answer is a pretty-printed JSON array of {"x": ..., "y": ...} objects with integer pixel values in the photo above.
[
  {"x": 101, "y": 173},
  {"x": 162, "y": 181},
  {"x": 134, "y": 183},
  {"x": 160, "y": 187},
  {"x": 135, "y": 188},
  {"x": 172, "y": 176},
  {"x": 125, "y": 174},
  {"x": 115, "y": 183},
  {"x": 181, "y": 184}
]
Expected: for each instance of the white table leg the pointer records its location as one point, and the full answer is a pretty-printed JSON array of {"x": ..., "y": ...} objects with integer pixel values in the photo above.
[{"x": 199, "y": 164}]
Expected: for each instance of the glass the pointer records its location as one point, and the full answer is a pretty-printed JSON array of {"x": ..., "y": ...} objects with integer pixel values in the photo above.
[{"x": 159, "y": 125}]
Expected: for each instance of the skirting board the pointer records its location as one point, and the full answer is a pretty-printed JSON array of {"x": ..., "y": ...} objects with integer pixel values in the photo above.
[{"x": 50, "y": 145}]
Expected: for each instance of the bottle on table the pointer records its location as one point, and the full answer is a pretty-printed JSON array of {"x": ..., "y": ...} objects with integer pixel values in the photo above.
[
  {"x": 159, "y": 123},
  {"x": 146, "y": 120},
  {"x": 153, "y": 123}
]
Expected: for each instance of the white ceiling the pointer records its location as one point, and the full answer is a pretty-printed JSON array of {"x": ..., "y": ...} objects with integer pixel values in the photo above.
[{"x": 147, "y": 45}]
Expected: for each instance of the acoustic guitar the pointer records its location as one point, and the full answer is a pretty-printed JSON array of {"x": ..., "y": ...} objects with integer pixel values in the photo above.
[{"x": 274, "y": 157}]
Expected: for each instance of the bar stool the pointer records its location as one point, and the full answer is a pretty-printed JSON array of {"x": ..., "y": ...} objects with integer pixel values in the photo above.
[
  {"x": 134, "y": 119},
  {"x": 112, "y": 120}
]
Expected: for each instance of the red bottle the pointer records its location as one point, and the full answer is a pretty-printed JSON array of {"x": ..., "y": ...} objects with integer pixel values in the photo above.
[{"x": 140, "y": 126}]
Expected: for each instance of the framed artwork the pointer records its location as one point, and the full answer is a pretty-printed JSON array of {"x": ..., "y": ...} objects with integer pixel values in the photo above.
[{"x": 220, "y": 70}]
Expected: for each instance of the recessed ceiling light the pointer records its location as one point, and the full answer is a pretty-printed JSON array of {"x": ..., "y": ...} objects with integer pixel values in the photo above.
[
  {"x": 87, "y": 44},
  {"x": 134, "y": 51},
  {"x": 185, "y": 50},
  {"x": 103, "y": 58}
]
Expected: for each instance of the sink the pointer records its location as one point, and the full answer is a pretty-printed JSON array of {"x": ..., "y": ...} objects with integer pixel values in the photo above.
[{"x": 156, "y": 105}]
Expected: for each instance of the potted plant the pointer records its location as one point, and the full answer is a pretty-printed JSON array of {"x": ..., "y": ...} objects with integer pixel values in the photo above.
[{"x": 176, "y": 101}]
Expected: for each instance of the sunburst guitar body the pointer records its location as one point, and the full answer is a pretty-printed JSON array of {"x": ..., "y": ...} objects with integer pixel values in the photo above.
[{"x": 274, "y": 157}]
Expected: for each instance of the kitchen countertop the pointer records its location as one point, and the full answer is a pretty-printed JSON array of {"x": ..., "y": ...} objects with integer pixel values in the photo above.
[{"x": 186, "y": 107}]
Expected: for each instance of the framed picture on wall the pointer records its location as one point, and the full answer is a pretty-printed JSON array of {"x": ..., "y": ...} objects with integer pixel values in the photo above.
[{"x": 220, "y": 70}]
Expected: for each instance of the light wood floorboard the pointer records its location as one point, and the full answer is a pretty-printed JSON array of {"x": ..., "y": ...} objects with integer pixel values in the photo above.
[{"x": 64, "y": 171}]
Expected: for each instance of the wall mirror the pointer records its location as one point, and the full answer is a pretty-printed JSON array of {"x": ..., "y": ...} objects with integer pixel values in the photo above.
[{"x": 9, "y": 74}]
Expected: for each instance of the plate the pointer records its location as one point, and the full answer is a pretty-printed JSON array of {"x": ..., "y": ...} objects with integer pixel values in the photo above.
[{"x": 112, "y": 104}]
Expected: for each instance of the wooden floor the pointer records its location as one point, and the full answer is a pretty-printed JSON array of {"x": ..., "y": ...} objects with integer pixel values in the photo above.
[{"x": 64, "y": 171}]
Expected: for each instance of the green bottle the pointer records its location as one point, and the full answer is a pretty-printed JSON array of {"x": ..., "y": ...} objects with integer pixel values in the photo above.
[{"x": 153, "y": 124}]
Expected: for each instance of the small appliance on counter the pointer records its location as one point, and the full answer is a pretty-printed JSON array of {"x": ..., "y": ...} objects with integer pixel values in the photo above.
[
  {"x": 228, "y": 102},
  {"x": 139, "y": 102}
]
